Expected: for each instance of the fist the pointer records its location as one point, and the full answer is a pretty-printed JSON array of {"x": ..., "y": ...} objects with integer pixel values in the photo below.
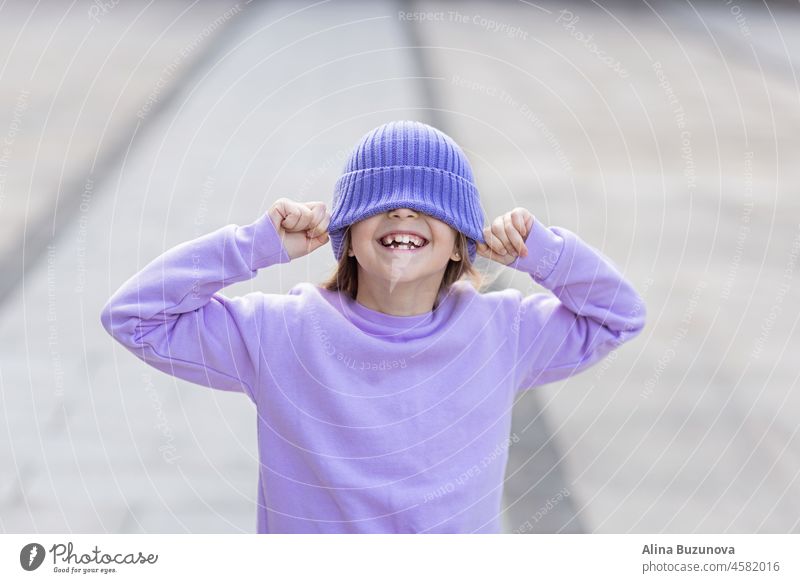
[
  {"x": 505, "y": 238},
  {"x": 302, "y": 226}
]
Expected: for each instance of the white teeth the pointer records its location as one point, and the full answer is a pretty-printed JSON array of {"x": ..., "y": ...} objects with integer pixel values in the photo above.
[{"x": 403, "y": 239}]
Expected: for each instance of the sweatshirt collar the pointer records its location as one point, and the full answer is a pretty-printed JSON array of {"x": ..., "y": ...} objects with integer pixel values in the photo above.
[
  {"x": 389, "y": 320},
  {"x": 379, "y": 323}
]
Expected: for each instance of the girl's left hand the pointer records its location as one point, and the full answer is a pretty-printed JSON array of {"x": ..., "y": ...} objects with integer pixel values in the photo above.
[{"x": 505, "y": 239}]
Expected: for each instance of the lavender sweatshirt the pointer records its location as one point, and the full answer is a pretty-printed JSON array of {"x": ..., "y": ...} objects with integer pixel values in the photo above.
[{"x": 370, "y": 422}]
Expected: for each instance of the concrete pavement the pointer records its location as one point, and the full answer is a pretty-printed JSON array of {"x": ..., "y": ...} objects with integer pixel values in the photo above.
[{"x": 690, "y": 428}]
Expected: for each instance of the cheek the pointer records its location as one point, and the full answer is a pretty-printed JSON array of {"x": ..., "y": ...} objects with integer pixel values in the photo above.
[
  {"x": 445, "y": 243},
  {"x": 445, "y": 239},
  {"x": 361, "y": 234},
  {"x": 359, "y": 239}
]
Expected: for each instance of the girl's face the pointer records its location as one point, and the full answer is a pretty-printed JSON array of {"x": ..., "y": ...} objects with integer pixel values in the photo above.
[{"x": 419, "y": 246}]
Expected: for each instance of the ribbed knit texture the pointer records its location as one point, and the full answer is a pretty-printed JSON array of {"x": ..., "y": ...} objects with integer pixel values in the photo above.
[{"x": 407, "y": 164}]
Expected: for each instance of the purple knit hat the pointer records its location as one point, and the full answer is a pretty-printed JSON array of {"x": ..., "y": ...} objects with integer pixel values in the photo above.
[{"x": 407, "y": 164}]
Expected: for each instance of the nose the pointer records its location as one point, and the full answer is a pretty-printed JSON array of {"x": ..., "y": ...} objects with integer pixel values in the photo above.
[{"x": 403, "y": 212}]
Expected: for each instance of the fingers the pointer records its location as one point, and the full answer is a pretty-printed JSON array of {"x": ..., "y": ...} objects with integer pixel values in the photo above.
[
  {"x": 513, "y": 234},
  {"x": 317, "y": 235},
  {"x": 505, "y": 238},
  {"x": 499, "y": 232},
  {"x": 286, "y": 213},
  {"x": 489, "y": 253},
  {"x": 485, "y": 251},
  {"x": 528, "y": 223},
  {"x": 504, "y": 231},
  {"x": 320, "y": 220},
  {"x": 296, "y": 218},
  {"x": 317, "y": 242},
  {"x": 494, "y": 242},
  {"x": 518, "y": 224},
  {"x": 311, "y": 217}
]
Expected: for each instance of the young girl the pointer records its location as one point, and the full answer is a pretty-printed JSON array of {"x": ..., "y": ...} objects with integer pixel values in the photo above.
[{"x": 384, "y": 396}]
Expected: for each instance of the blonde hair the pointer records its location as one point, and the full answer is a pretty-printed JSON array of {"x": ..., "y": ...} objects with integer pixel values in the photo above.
[{"x": 345, "y": 277}]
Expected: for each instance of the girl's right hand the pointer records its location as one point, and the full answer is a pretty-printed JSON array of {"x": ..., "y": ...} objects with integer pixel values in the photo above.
[{"x": 302, "y": 226}]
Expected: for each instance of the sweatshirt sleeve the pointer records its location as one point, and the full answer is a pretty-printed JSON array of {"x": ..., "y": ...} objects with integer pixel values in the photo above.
[
  {"x": 171, "y": 316},
  {"x": 593, "y": 309}
]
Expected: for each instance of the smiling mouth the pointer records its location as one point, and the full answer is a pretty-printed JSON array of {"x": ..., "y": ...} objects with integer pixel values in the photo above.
[{"x": 402, "y": 242}]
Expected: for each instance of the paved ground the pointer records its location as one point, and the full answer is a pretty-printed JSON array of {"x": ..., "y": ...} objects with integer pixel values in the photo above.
[{"x": 134, "y": 129}]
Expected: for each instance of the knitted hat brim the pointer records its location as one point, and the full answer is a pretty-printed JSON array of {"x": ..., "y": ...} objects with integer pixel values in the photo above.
[{"x": 417, "y": 188}]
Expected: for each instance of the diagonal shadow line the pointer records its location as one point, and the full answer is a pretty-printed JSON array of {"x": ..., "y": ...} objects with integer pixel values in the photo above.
[
  {"x": 532, "y": 512},
  {"x": 45, "y": 229},
  {"x": 419, "y": 62}
]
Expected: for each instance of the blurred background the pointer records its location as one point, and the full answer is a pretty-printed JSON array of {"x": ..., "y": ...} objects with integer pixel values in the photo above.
[{"x": 665, "y": 134}]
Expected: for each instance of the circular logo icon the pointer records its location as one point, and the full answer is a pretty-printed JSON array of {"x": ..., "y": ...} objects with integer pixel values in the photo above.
[{"x": 31, "y": 556}]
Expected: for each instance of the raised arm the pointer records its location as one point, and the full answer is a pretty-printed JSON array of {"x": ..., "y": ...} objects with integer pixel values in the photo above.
[
  {"x": 594, "y": 309},
  {"x": 170, "y": 315}
]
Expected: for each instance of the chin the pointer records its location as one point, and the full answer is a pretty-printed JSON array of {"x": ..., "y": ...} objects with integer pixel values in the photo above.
[
  {"x": 409, "y": 275},
  {"x": 403, "y": 276}
]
